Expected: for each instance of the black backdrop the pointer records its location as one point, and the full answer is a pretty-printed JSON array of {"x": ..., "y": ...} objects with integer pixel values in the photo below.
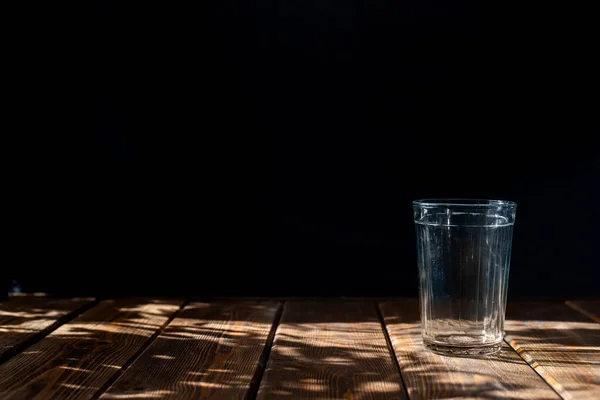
[{"x": 273, "y": 147}]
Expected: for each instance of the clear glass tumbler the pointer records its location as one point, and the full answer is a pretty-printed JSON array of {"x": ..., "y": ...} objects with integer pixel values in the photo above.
[{"x": 463, "y": 252}]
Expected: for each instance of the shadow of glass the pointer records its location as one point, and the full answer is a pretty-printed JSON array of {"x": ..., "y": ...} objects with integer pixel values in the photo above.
[
  {"x": 560, "y": 343},
  {"x": 431, "y": 375}
]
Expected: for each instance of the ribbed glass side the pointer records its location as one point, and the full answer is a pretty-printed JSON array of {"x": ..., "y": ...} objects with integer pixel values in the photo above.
[{"x": 463, "y": 259}]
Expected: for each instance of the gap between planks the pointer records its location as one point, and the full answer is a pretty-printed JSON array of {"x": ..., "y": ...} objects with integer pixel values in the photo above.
[
  {"x": 331, "y": 349},
  {"x": 428, "y": 375},
  {"x": 129, "y": 362},
  {"x": 36, "y": 337},
  {"x": 561, "y": 342},
  {"x": 590, "y": 308},
  {"x": 211, "y": 350},
  {"x": 264, "y": 358},
  {"x": 391, "y": 348},
  {"x": 77, "y": 358}
]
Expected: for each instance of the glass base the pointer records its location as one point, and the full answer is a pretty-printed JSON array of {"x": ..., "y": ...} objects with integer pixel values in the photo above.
[{"x": 463, "y": 350}]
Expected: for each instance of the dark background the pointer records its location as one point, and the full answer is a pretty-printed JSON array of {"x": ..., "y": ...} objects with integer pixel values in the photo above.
[{"x": 274, "y": 147}]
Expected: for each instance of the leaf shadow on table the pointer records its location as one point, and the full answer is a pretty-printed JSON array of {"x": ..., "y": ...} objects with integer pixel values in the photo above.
[
  {"x": 209, "y": 351},
  {"x": 79, "y": 357},
  {"x": 26, "y": 318},
  {"x": 218, "y": 352},
  {"x": 214, "y": 353},
  {"x": 206, "y": 352},
  {"x": 331, "y": 350}
]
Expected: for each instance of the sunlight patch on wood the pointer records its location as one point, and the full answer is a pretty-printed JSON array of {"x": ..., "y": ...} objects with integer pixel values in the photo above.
[
  {"x": 163, "y": 357},
  {"x": 32, "y": 313},
  {"x": 207, "y": 384},
  {"x": 155, "y": 394},
  {"x": 77, "y": 387},
  {"x": 87, "y": 371}
]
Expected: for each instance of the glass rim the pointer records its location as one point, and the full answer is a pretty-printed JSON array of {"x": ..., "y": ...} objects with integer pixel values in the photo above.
[{"x": 463, "y": 202}]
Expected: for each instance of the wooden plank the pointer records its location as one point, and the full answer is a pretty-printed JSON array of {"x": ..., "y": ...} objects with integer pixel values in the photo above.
[
  {"x": 79, "y": 357},
  {"x": 562, "y": 345},
  {"x": 431, "y": 376},
  {"x": 331, "y": 350},
  {"x": 590, "y": 308},
  {"x": 24, "y": 319},
  {"x": 211, "y": 350}
]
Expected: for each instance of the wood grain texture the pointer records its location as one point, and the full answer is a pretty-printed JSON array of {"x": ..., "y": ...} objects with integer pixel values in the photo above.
[
  {"x": 431, "y": 376},
  {"x": 210, "y": 351},
  {"x": 330, "y": 350},
  {"x": 25, "y": 318},
  {"x": 590, "y": 308},
  {"x": 561, "y": 344},
  {"x": 75, "y": 360}
]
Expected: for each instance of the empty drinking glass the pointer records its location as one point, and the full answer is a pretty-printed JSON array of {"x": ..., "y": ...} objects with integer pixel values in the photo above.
[{"x": 463, "y": 252}]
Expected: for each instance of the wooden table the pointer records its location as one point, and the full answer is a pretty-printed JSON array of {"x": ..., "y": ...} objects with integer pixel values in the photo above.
[{"x": 136, "y": 348}]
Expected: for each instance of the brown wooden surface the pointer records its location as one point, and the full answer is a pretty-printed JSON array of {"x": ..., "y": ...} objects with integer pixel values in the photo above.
[
  {"x": 208, "y": 351},
  {"x": 322, "y": 349},
  {"x": 78, "y": 358},
  {"x": 431, "y": 376},
  {"x": 560, "y": 343},
  {"x": 330, "y": 350},
  {"x": 590, "y": 308},
  {"x": 25, "y": 318}
]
